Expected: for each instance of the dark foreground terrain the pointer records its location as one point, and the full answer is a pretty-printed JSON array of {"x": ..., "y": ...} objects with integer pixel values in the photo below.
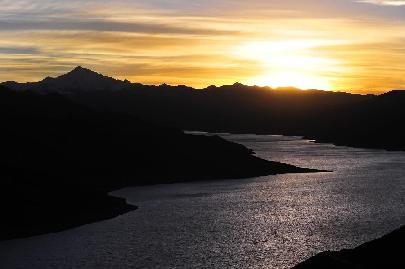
[
  {"x": 386, "y": 252},
  {"x": 34, "y": 210},
  {"x": 59, "y": 160}
]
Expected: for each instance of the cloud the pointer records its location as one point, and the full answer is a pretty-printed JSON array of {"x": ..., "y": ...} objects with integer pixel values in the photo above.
[
  {"x": 384, "y": 2},
  {"x": 19, "y": 50},
  {"x": 106, "y": 26}
]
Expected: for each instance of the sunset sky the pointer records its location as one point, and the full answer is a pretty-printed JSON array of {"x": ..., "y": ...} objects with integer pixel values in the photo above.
[{"x": 348, "y": 45}]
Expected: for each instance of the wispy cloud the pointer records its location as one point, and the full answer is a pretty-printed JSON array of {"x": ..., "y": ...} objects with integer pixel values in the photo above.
[
  {"x": 106, "y": 26},
  {"x": 19, "y": 50},
  {"x": 384, "y": 2}
]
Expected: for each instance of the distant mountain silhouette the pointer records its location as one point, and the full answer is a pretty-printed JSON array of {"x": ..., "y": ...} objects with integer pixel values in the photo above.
[
  {"x": 54, "y": 150},
  {"x": 385, "y": 252},
  {"x": 335, "y": 117},
  {"x": 78, "y": 80}
]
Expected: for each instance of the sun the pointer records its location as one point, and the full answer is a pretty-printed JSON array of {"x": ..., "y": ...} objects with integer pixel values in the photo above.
[
  {"x": 291, "y": 79},
  {"x": 294, "y": 63}
]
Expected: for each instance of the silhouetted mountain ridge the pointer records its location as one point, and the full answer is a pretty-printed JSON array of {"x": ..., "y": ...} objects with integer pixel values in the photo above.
[
  {"x": 84, "y": 79},
  {"x": 78, "y": 80},
  {"x": 336, "y": 117}
]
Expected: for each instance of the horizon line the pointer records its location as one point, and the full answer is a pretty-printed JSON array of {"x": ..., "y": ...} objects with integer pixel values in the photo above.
[{"x": 269, "y": 87}]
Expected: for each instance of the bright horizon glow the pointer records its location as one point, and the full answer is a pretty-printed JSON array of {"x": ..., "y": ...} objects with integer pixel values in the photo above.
[
  {"x": 345, "y": 45},
  {"x": 300, "y": 81},
  {"x": 290, "y": 63}
]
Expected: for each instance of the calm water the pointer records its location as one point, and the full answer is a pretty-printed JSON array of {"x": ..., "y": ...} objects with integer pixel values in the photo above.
[{"x": 266, "y": 222}]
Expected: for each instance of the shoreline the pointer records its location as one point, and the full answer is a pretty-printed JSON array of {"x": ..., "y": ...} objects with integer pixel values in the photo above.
[
  {"x": 314, "y": 139},
  {"x": 385, "y": 252},
  {"x": 47, "y": 214},
  {"x": 42, "y": 210}
]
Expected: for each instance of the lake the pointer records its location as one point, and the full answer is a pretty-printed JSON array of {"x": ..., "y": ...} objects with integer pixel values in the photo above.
[{"x": 265, "y": 222}]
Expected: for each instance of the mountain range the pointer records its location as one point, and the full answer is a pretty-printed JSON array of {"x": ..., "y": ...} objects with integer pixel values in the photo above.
[
  {"x": 341, "y": 118},
  {"x": 78, "y": 80}
]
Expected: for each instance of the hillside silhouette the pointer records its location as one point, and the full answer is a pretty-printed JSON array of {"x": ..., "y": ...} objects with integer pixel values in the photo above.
[
  {"x": 385, "y": 252},
  {"x": 59, "y": 159},
  {"x": 340, "y": 118}
]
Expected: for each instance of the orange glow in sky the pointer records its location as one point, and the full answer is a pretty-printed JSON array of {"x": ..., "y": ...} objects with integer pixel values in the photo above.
[{"x": 343, "y": 45}]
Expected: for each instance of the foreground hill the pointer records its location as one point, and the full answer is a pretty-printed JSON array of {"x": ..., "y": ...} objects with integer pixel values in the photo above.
[
  {"x": 340, "y": 118},
  {"x": 59, "y": 159},
  {"x": 386, "y": 252}
]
